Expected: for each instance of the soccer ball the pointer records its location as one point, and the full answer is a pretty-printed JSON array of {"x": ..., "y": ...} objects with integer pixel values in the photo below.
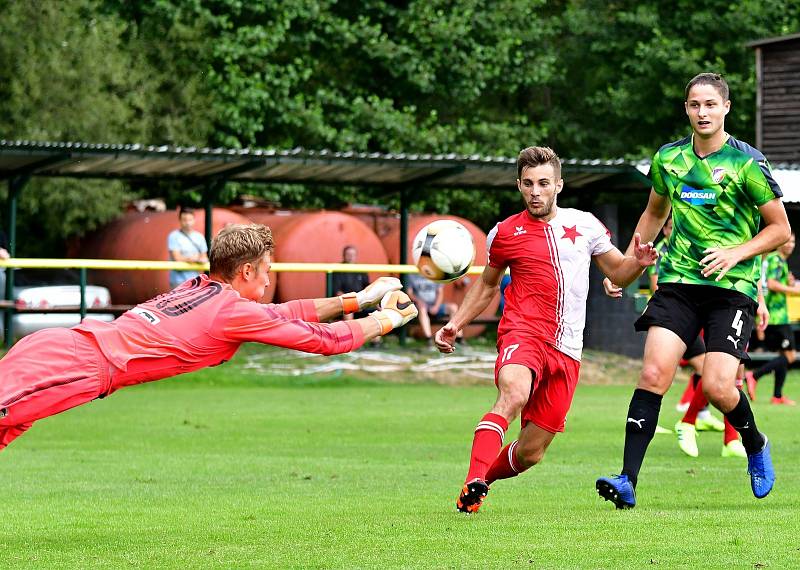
[{"x": 443, "y": 251}]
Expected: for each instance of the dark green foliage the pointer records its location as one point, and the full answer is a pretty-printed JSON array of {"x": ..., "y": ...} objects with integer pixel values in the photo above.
[
  {"x": 639, "y": 57},
  {"x": 592, "y": 79},
  {"x": 71, "y": 71}
]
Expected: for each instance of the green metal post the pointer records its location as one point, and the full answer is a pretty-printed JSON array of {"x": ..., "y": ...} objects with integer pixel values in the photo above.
[
  {"x": 329, "y": 284},
  {"x": 210, "y": 194},
  {"x": 208, "y": 204},
  {"x": 403, "y": 248},
  {"x": 83, "y": 293},
  {"x": 404, "y": 228},
  {"x": 15, "y": 186}
]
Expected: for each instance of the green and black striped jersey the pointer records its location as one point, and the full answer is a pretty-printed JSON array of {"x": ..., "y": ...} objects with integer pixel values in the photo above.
[{"x": 715, "y": 202}]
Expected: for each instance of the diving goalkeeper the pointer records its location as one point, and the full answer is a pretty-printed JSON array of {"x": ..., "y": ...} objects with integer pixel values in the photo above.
[{"x": 199, "y": 323}]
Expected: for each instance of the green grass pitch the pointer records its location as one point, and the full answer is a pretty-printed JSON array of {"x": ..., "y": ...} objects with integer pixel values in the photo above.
[{"x": 229, "y": 469}]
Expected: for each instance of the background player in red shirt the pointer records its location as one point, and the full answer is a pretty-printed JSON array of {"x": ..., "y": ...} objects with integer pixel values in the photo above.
[
  {"x": 540, "y": 336},
  {"x": 200, "y": 323}
]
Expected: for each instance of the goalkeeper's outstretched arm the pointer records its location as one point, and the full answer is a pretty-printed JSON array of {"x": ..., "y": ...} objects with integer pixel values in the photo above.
[
  {"x": 327, "y": 308},
  {"x": 477, "y": 299},
  {"x": 269, "y": 324}
]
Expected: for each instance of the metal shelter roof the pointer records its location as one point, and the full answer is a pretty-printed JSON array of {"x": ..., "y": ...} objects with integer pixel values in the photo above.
[
  {"x": 773, "y": 40},
  {"x": 77, "y": 159},
  {"x": 301, "y": 166}
]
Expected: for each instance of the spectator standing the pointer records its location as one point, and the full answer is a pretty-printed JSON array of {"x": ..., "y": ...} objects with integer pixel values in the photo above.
[
  {"x": 347, "y": 282},
  {"x": 185, "y": 244}
]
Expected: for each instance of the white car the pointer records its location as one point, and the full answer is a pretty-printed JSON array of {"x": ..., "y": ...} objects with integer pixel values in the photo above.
[{"x": 54, "y": 289}]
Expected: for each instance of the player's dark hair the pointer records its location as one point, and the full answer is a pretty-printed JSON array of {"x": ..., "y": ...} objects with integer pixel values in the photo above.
[
  {"x": 714, "y": 79},
  {"x": 345, "y": 248},
  {"x": 185, "y": 210},
  {"x": 538, "y": 155},
  {"x": 236, "y": 245}
]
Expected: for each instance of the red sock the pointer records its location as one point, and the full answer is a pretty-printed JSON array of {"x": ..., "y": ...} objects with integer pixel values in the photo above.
[
  {"x": 699, "y": 401},
  {"x": 730, "y": 432},
  {"x": 505, "y": 465},
  {"x": 486, "y": 444},
  {"x": 689, "y": 391}
]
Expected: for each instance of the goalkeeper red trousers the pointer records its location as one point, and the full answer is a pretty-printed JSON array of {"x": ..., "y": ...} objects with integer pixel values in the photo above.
[{"x": 46, "y": 373}]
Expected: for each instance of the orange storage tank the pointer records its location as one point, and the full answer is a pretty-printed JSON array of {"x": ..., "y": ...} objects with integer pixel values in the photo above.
[
  {"x": 315, "y": 237},
  {"x": 453, "y": 292},
  {"x": 379, "y": 219},
  {"x": 143, "y": 235}
]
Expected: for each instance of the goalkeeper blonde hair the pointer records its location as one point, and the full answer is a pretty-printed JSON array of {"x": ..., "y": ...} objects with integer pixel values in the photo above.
[{"x": 236, "y": 245}]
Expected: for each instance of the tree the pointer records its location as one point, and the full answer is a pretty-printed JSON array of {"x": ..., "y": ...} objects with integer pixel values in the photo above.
[
  {"x": 641, "y": 55},
  {"x": 591, "y": 79},
  {"x": 70, "y": 72}
]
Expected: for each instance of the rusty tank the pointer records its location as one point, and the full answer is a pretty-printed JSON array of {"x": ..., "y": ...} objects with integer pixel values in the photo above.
[
  {"x": 315, "y": 237},
  {"x": 143, "y": 235}
]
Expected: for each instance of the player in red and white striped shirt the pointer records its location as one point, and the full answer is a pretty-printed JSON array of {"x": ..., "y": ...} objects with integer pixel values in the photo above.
[
  {"x": 540, "y": 336},
  {"x": 199, "y": 323}
]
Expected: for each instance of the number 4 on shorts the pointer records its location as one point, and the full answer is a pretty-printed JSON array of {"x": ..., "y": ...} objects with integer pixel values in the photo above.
[{"x": 737, "y": 323}]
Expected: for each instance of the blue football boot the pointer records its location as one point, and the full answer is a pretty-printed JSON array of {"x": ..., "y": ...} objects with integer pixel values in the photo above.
[
  {"x": 617, "y": 489},
  {"x": 762, "y": 473}
]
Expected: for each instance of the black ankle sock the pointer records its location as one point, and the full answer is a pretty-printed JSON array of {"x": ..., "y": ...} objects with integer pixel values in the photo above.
[
  {"x": 774, "y": 364},
  {"x": 741, "y": 418},
  {"x": 640, "y": 427}
]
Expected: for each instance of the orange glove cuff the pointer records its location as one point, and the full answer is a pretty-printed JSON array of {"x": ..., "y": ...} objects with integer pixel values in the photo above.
[
  {"x": 384, "y": 321},
  {"x": 349, "y": 303}
]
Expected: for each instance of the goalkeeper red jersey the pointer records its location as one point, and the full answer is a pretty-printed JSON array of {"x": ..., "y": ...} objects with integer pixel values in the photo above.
[{"x": 202, "y": 323}]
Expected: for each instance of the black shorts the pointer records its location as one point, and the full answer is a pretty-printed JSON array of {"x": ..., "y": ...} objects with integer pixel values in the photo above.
[
  {"x": 696, "y": 348},
  {"x": 725, "y": 316},
  {"x": 779, "y": 337}
]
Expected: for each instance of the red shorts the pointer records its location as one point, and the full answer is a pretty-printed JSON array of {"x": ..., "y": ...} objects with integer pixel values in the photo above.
[
  {"x": 555, "y": 376},
  {"x": 48, "y": 372}
]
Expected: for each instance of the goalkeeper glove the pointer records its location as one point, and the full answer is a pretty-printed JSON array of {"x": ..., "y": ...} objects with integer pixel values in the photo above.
[
  {"x": 396, "y": 310},
  {"x": 370, "y": 295}
]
